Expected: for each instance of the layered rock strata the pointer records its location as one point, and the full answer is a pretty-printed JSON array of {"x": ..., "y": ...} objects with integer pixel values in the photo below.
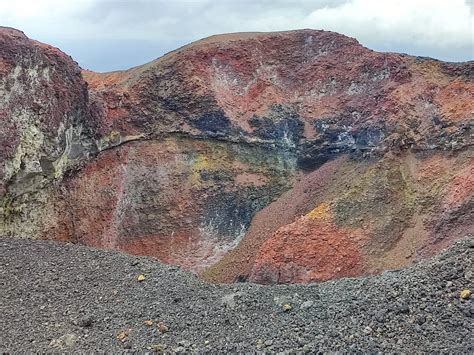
[{"x": 273, "y": 157}]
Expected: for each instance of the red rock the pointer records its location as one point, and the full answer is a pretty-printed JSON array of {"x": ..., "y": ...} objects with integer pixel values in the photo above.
[
  {"x": 181, "y": 157},
  {"x": 308, "y": 250}
]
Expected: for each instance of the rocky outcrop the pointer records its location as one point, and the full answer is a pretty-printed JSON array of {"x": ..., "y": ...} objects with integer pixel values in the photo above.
[
  {"x": 46, "y": 126},
  {"x": 276, "y": 157},
  {"x": 184, "y": 201},
  {"x": 287, "y": 87}
]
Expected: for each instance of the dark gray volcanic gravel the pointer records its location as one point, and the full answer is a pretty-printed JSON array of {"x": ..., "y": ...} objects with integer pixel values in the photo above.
[{"x": 64, "y": 297}]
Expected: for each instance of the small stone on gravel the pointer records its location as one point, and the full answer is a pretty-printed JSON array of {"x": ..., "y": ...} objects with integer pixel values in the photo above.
[
  {"x": 465, "y": 294},
  {"x": 63, "y": 342}
]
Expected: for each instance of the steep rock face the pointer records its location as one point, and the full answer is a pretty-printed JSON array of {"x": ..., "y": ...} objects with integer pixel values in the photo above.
[
  {"x": 317, "y": 91},
  {"x": 385, "y": 217},
  {"x": 374, "y": 151},
  {"x": 373, "y": 215},
  {"x": 45, "y": 126},
  {"x": 184, "y": 201}
]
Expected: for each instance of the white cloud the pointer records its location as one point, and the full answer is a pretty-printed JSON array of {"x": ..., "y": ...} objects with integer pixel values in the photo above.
[{"x": 435, "y": 22}]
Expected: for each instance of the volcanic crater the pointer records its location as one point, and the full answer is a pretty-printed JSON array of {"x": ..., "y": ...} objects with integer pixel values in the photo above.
[{"x": 286, "y": 157}]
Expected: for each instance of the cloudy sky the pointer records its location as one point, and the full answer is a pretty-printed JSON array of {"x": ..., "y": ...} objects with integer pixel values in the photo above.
[{"x": 106, "y": 35}]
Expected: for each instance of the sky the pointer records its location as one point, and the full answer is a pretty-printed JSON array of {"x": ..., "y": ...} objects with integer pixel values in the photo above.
[{"x": 106, "y": 35}]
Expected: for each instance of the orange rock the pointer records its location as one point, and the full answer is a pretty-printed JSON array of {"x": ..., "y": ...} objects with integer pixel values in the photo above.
[{"x": 309, "y": 250}]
